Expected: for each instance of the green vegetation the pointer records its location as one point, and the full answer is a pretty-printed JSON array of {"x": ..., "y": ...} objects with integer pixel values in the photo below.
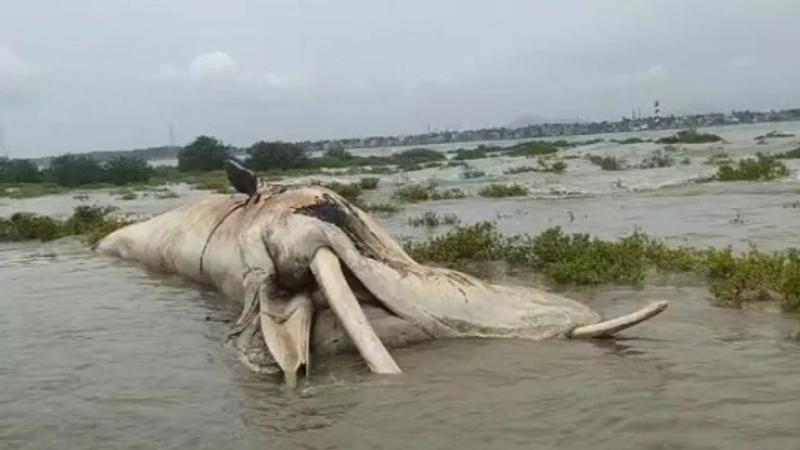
[
  {"x": 762, "y": 168},
  {"x": 369, "y": 183},
  {"x": 631, "y": 140},
  {"x": 92, "y": 222},
  {"x": 475, "y": 153},
  {"x": 578, "y": 259},
  {"x": 430, "y": 219},
  {"x": 19, "y": 171},
  {"x": 503, "y": 190},
  {"x": 270, "y": 156},
  {"x": 471, "y": 173},
  {"x": 21, "y": 178},
  {"x": 203, "y": 154},
  {"x": 533, "y": 148},
  {"x": 387, "y": 208},
  {"x": 414, "y": 193},
  {"x": 791, "y": 154},
  {"x": 545, "y": 165},
  {"x": 125, "y": 194},
  {"x": 773, "y": 134},
  {"x": 718, "y": 158},
  {"x": 659, "y": 159},
  {"x": 350, "y": 191},
  {"x": 519, "y": 169},
  {"x": 29, "y": 190},
  {"x": 608, "y": 162},
  {"x": 689, "y": 137}
]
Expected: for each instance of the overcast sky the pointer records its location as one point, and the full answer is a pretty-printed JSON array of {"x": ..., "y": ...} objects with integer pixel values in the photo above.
[{"x": 84, "y": 75}]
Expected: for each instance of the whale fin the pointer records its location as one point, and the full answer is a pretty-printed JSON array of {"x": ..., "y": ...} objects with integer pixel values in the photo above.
[
  {"x": 609, "y": 327},
  {"x": 328, "y": 271}
]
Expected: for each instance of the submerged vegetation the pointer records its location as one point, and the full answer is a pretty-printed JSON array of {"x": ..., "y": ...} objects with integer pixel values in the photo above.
[
  {"x": 631, "y": 140},
  {"x": 760, "y": 168},
  {"x": 689, "y": 137},
  {"x": 519, "y": 169},
  {"x": 91, "y": 222},
  {"x": 413, "y": 193},
  {"x": 791, "y": 154},
  {"x": 431, "y": 219},
  {"x": 386, "y": 208},
  {"x": 579, "y": 259},
  {"x": 608, "y": 162},
  {"x": 546, "y": 165},
  {"x": 533, "y": 148},
  {"x": 659, "y": 159},
  {"x": 470, "y": 173},
  {"x": 503, "y": 190},
  {"x": 772, "y": 134}
]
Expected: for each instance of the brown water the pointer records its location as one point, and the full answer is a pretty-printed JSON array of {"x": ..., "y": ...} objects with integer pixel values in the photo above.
[{"x": 99, "y": 353}]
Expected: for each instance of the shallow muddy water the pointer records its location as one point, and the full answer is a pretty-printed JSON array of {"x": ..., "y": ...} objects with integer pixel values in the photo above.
[{"x": 100, "y": 353}]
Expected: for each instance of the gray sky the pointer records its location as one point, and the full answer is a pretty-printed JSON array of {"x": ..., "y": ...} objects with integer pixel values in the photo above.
[{"x": 84, "y": 75}]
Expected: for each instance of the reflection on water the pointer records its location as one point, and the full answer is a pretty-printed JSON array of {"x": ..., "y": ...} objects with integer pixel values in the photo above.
[{"x": 99, "y": 353}]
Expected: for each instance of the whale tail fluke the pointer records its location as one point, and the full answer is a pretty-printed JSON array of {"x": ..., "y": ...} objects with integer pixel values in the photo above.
[{"x": 607, "y": 328}]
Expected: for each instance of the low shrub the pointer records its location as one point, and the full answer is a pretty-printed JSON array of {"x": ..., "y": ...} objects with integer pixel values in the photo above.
[
  {"x": 471, "y": 173},
  {"x": 608, "y": 162},
  {"x": 430, "y": 219},
  {"x": 92, "y": 222},
  {"x": 579, "y": 259},
  {"x": 689, "y": 137},
  {"x": 762, "y": 168},
  {"x": 791, "y": 154},
  {"x": 368, "y": 183},
  {"x": 503, "y": 190}
]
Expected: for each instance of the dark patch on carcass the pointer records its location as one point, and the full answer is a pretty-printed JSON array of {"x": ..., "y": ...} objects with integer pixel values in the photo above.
[{"x": 340, "y": 213}]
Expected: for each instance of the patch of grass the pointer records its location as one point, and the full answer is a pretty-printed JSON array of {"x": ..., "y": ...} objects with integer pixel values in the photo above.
[
  {"x": 608, "y": 162},
  {"x": 579, "y": 259},
  {"x": 791, "y": 154},
  {"x": 471, "y": 173},
  {"x": 30, "y": 190},
  {"x": 453, "y": 163},
  {"x": 430, "y": 219},
  {"x": 718, "y": 158},
  {"x": 447, "y": 194},
  {"x": 551, "y": 167},
  {"x": 413, "y": 193},
  {"x": 689, "y": 137},
  {"x": 92, "y": 222},
  {"x": 503, "y": 190},
  {"x": 215, "y": 181},
  {"x": 519, "y": 169},
  {"x": 125, "y": 194},
  {"x": 165, "y": 194},
  {"x": 534, "y": 148},
  {"x": 762, "y": 168},
  {"x": 387, "y": 208},
  {"x": 369, "y": 183},
  {"x": 658, "y": 160},
  {"x": 773, "y": 134},
  {"x": 631, "y": 140},
  {"x": 465, "y": 154},
  {"x": 350, "y": 191}
]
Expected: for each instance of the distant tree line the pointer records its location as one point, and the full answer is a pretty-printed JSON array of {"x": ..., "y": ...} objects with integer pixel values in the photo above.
[
  {"x": 207, "y": 153},
  {"x": 77, "y": 170}
]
